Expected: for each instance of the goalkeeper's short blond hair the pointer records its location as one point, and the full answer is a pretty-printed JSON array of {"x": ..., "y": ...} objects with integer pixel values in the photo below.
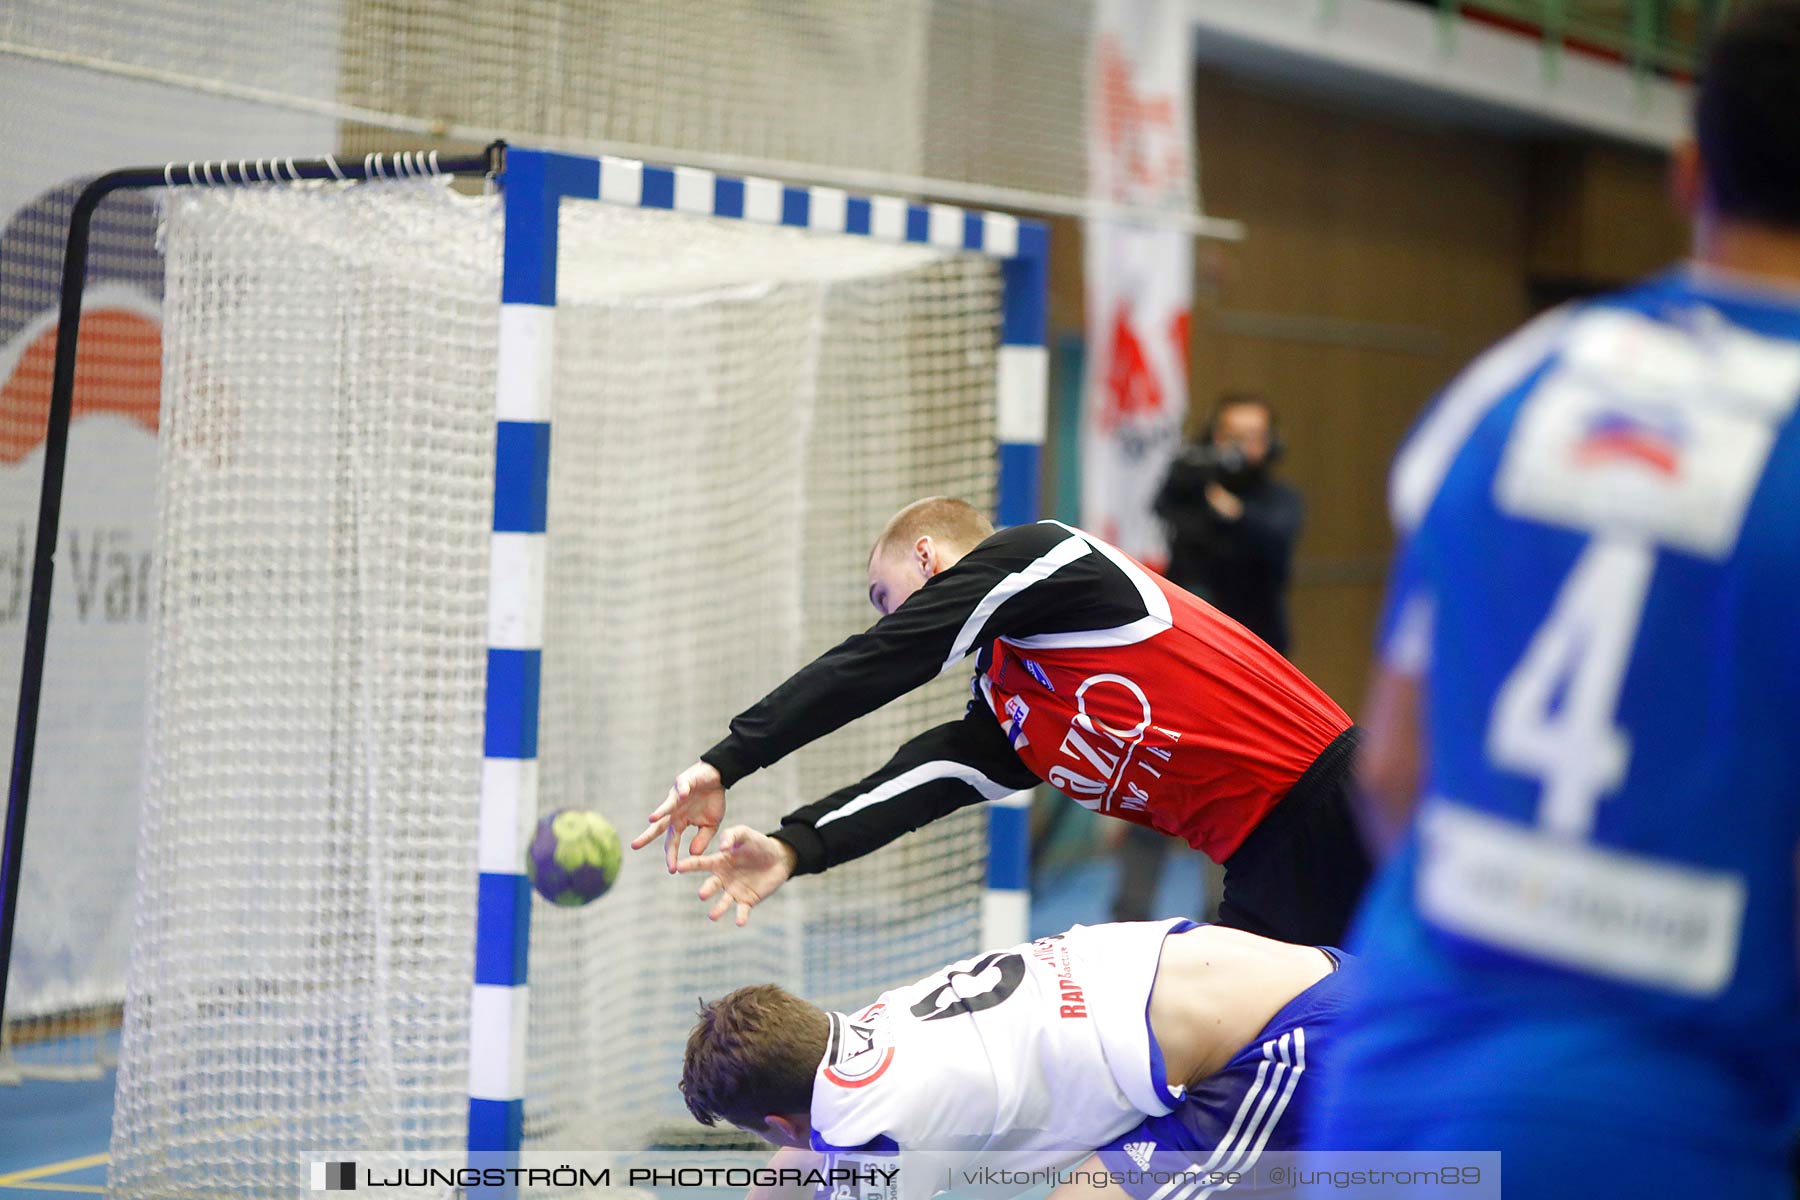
[{"x": 957, "y": 523}]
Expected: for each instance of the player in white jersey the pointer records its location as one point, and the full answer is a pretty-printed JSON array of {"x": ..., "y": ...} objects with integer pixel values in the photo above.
[{"x": 1030, "y": 1058}]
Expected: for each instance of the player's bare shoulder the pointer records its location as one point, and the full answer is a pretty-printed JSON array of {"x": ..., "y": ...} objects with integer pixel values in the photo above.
[{"x": 1216, "y": 988}]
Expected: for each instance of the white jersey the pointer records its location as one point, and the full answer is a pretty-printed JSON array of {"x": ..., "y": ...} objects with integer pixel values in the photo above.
[{"x": 1042, "y": 1050}]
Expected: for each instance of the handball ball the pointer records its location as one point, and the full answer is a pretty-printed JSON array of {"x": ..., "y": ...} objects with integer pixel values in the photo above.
[{"x": 574, "y": 857}]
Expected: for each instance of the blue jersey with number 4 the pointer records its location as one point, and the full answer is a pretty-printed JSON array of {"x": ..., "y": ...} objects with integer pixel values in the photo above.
[{"x": 1599, "y": 588}]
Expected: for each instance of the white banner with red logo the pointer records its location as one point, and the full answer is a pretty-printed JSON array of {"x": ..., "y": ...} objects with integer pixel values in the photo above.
[
  {"x": 74, "y": 921},
  {"x": 1140, "y": 277}
]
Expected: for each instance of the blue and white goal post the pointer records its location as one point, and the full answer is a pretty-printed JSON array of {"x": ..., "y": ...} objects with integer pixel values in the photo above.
[{"x": 534, "y": 184}]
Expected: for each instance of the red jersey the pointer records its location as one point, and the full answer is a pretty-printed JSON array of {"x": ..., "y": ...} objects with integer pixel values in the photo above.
[{"x": 1196, "y": 731}]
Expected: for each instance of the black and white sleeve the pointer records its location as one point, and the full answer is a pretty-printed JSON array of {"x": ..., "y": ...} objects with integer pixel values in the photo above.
[
  {"x": 947, "y": 767},
  {"x": 1029, "y": 579}
]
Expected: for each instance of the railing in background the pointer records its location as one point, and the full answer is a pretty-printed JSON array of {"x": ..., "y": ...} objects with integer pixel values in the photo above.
[{"x": 1651, "y": 36}]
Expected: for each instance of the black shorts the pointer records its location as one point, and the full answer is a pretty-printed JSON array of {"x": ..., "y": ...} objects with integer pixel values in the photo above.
[{"x": 1300, "y": 873}]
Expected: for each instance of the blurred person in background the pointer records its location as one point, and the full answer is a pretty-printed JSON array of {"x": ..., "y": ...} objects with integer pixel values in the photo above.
[
  {"x": 1581, "y": 752},
  {"x": 1232, "y": 528},
  {"x": 1232, "y": 524}
]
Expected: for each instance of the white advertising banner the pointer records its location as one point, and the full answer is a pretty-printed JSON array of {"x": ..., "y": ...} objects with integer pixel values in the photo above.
[
  {"x": 1140, "y": 278},
  {"x": 80, "y": 845}
]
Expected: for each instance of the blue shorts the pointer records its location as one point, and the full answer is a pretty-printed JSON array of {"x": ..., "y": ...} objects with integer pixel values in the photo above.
[{"x": 1257, "y": 1102}]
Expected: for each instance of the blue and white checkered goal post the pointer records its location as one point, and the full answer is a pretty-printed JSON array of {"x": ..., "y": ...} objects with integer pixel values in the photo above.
[{"x": 534, "y": 185}]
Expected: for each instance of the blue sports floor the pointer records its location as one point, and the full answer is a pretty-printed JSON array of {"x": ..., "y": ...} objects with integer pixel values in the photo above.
[{"x": 53, "y": 1136}]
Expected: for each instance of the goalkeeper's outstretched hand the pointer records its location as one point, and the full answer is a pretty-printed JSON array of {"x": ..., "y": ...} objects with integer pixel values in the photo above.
[
  {"x": 745, "y": 869},
  {"x": 697, "y": 802}
]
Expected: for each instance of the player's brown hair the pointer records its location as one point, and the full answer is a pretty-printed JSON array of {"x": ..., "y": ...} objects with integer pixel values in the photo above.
[
  {"x": 753, "y": 1053},
  {"x": 949, "y": 520}
]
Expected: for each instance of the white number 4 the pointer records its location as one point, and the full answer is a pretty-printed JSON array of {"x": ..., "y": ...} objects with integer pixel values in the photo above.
[{"x": 1578, "y": 656}]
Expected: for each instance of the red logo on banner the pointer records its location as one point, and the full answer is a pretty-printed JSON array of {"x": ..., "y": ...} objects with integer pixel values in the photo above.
[
  {"x": 1131, "y": 385},
  {"x": 118, "y": 369}
]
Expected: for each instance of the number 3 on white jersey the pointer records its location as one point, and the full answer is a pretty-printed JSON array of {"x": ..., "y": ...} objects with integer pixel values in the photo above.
[{"x": 1578, "y": 657}]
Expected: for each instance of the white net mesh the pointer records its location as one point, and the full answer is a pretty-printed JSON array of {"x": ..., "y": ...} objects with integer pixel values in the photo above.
[
  {"x": 738, "y": 410},
  {"x": 300, "y": 967},
  {"x": 64, "y": 125}
]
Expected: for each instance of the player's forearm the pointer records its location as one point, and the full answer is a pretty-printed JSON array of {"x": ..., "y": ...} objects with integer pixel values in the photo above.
[
  {"x": 820, "y": 842},
  {"x": 789, "y": 1158},
  {"x": 947, "y": 767},
  {"x": 803, "y": 844},
  {"x": 851, "y": 680},
  {"x": 1390, "y": 767},
  {"x": 1089, "y": 1181}
]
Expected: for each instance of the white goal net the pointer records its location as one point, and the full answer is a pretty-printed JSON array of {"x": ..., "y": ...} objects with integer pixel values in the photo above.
[{"x": 738, "y": 408}]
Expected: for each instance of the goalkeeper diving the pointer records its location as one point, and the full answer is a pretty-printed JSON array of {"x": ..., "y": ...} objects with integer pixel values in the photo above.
[{"x": 1092, "y": 673}]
